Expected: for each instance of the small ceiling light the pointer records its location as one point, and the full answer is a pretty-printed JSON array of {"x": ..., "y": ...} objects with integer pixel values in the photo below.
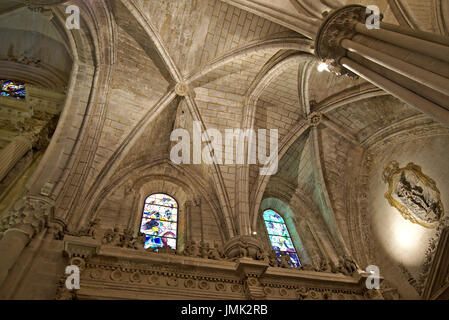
[
  {"x": 255, "y": 233},
  {"x": 323, "y": 67}
]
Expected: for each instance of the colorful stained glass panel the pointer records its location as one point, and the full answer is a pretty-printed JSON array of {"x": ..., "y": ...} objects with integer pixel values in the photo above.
[
  {"x": 159, "y": 221},
  {"x": 12, "y": 89},
  {"x": 159, "y": 228},
  {"x": 277, "y": 229},
  {"x": 283, "y": 244},
  {"x": 295, "y": 259},
  {"x": 162, "y": 200},
  {"x": 270, "y": 215},
  {"x": 160, "y": 213},
  {"x": 280, "y": 237},
  {"x": 160, "y": 242}
]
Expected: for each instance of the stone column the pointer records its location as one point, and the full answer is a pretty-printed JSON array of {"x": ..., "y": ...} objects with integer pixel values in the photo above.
[
  {"x": 410, "y": 65},
  {"x": 12, "y": 153},
  {"x": 19, "y": 227},
  {"x": 11, "y": 246},
  {"x": 198, "y": 205},
  {"x": 188, "y": 222}
]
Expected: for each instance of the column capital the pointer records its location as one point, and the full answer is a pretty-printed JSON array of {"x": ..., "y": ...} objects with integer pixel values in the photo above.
[
  {"x": 188, "y": 204},
  {"x": 338, "y": 25},
  {"x": 30, "y": 213},
  {"x": 197, "y": 201}
]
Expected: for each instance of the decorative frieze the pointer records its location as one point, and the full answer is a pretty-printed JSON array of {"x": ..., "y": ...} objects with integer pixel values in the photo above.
[{"x": 194, "y": 276}]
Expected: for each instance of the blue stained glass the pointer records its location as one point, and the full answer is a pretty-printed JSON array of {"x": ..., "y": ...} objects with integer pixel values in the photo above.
[
  {"x": 160, "y": 213},
  {"x": 270, "y": 215},
  {"x": 159, "y": 221},
  {"x": 12, "y": 89},
  {"x": 279, "y": 236},
  {"x": 283, "y": 244},
  {"x": 277, "y": 229},
  {"x": 161, "y": 200}
]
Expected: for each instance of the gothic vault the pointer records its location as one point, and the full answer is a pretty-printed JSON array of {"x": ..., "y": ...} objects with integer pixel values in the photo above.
[{"x": 359, "y": 102}]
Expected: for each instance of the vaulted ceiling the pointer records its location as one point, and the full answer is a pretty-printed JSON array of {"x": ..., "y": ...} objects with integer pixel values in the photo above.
[{"x": 248, "y": 64}]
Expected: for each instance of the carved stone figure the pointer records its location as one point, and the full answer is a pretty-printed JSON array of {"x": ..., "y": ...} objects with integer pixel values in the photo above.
[
  {"x": 195, "y": 251},
  {"x": 214, "y": 254},
  {"x": 349, "y": 265},
  {"x": 274, "y": 259},
  {"x": 285, "y": 260},
  {"x": 325, "y": 266},
  {"x": 205, "y": 247},
  {"x": 187, "y": 249},
  {"x": 127, "y": 239},
  {"x": 263, "y": 256},
  {"x": 91, "y": 230},
  {"x": 220, "y": 250},
  {"x": 243, "y": 249},
  {"x": 112, "y": 237},
  {"x": 139, "y": 241}
]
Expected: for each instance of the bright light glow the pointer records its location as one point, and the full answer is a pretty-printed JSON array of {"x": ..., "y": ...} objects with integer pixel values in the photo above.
[
  {"x": 407, "y": 235},
  {"x": 323, "y": 67},
  {"x": 407, "y": 241},
  {"x": 255, "y": 233}
]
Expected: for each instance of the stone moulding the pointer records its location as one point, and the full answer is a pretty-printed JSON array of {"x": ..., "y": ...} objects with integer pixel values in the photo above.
[{"x": 114, "y": 272}]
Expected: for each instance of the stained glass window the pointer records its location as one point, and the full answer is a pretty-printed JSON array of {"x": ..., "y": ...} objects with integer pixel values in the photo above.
[
  {"x": 160, "y": 221},
  {"x": 12, "y": 89},
  {"x": 279, "y": 236}
]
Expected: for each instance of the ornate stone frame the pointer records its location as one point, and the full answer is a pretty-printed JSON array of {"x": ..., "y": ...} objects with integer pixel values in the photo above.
[{"x": 392, "y": 169}]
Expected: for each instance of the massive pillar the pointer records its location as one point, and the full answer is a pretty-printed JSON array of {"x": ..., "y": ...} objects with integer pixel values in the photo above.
[
  {"x": 18, "y": 228},
  {"x": 11, "y": 246},
  {"x": 12, "y": 153},
  {"x": 410, "y": 65}
]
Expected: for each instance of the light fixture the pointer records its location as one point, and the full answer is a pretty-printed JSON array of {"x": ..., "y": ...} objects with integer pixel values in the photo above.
[{"x": 323, "y": 67}]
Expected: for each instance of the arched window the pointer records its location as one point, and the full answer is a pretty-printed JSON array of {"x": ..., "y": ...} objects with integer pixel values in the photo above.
[
  {"x": 160, "y": 221},
  {"x": 12, "y": 89},
  {"x": 279, "y": 236}
]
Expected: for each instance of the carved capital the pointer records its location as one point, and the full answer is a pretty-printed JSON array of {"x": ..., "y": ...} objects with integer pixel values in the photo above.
[
  {"x": 197, "y": 201},
  {"x": 30, "y": 213},
  {"x": 339, "y": 25}
]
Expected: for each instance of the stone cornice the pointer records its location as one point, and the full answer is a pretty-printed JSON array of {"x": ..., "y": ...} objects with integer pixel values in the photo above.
[{"x": 128, "y": 269}]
